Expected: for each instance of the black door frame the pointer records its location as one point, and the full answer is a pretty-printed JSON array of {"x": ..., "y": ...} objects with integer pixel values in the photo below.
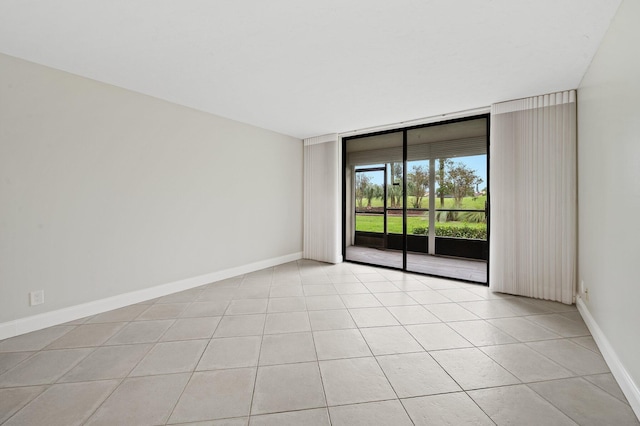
[{"x": 404, "y": 131}]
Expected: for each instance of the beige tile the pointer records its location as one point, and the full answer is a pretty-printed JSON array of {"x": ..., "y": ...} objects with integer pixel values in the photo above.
[
  {"x": 287, "y": 322},
  {"x": 472, "y": 369},
  {"x": 255, "y": 292},
  {"x": 191, "y": 328},
  {"x": 109, "y": 362},
  {"x": 560, "y": 325},
  {"x": 481, "y": 333},
  {"x": 205, "y": 309},
  {"x": 319, "y": 290},
  {"x": 287, "y": 304},
  {"x": 87, "y": 335},
  {"x": 141, "y": 401},
  {"x": 317, "y": 303},
  {"x": 518, "y": 405},
  {"x": 331, "y": 320},
  {"x": 395, "y": 299},
  {"x": 287, "y": 387},
  {"x": 416, "y": 374},
  {"x": 127, "y": 313},
  {"x": 343, "y": 278},
  {"x": 215, "y": 395},
  {"x": 8, "y": 360},
  {"x": 43, "y": 368},
  {"x": 231, "y": 352},
  {"x": 350, "y": 381},
  {"x": 287, "y": 348},
  {"x": 313, "y": 417},
  {"x": 351, "y": 288},
  {"x": 294, "y": 290},
  {"x": 439, "y": 283},
  {"x": 520, "y": 306},
  {"x": 525, "y": 363},
  {"x": 488, "y": 309},
  {"x": 185, "y": 296},
  {"x": 218, "y": 294},
  {"x": 381, "y": 413},
  {"x": 437, "y": 336},
  {"x": 548, "y": 305},
  {"x": 360, "y": 301},
  {"x": 140, "y": 332},
  {"x": 381, "y": 287},
  {"x": 334, "y": 344},
  {"x": 13, "y": 399},
  {"x": 451, "y": 312},
  {"x": 408, "y": 315},
  {"x": 247, "y": 306},
  {"x": 607, "y": 383},
  {"x": 410, "y": 285},
  {"x": 585, "y": 403},
  {"x": 240, "y": 325},
  {"x": 447, "y": 409},
  {"x": 34, "y": 341},
  {"x": 460, "y": 295},
  {"x": 238, "y": 421},
  {"x": 427, "y": 297},
  {"x": 390, "y": 340},
  {"x": 587, "y": 342},
  {"x": 163, "y": 311},
  {"x": 64, "y": 404},
  {"x": 370, "y": 277},
  {"x": 171, "y": 357},
  {"x": 571, "y": 356},
  {"x": 373, "y": 317},
  {"x": 523, "y": 330},
  {"x": 316, "y": 279}
]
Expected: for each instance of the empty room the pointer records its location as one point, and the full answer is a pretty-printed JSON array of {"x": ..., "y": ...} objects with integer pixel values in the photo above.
[{"x": 319, "y": 213}]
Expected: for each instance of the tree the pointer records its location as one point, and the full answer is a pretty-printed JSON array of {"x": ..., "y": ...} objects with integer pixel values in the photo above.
[
  {"x": 461, "y": 181},
  {"x": 443, "y": 187},
  {"x": 362, "y": 182},
  {"x": 372, "y": 191},
  {"x": 418, "y": 183},
  {"x": 395, "y": 191}
]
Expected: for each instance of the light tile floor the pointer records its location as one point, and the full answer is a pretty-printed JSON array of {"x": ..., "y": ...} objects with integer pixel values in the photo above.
[{"x": 307, "y": 343}]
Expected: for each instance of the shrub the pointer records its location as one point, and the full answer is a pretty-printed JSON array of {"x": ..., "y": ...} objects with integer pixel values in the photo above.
[{"x": 463, "y": 231}]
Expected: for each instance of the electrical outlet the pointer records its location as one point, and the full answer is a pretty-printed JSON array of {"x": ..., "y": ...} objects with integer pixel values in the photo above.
[{"x": 36, "y": 297}]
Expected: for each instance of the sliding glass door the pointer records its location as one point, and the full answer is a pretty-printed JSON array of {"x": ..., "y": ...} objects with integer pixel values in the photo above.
[
  {"x": 374, "y": 182},
  {"x": 418, "y": 199}
]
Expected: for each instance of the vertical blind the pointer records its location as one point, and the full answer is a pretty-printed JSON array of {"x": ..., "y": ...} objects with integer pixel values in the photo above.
[
  {"x": 321, "y": 235},
  {"x": 533, "y": 169}
]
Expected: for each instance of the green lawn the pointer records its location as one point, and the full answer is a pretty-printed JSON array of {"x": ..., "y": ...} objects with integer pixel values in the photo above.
[
  {"x": 375, "y": 223},
  {"x": 467, "y": 202}
]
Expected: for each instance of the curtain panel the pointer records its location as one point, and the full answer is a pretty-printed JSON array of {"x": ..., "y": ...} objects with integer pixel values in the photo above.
[
  {"x": 322, "y": 205},
  {"x": 533, "y": 220}
]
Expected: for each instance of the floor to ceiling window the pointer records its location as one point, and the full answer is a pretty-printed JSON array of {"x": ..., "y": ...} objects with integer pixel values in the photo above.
[{"x": 416, "y": 199}]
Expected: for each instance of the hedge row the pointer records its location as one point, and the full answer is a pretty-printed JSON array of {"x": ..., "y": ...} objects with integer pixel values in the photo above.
[{"x": 454, "y": 231}]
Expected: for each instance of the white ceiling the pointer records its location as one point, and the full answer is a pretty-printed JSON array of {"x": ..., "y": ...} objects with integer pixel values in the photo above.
[{"x": 307, "y": 68}]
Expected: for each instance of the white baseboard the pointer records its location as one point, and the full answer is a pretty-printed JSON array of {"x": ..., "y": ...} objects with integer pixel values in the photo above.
[
  {"x": 628, "y": 386},
  {"x": 61, "y": 316}
]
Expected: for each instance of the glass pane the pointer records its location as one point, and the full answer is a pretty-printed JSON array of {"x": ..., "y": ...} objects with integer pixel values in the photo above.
[
  {"x": 374, "y": 226},
  {"x": 449, "y": 163}
]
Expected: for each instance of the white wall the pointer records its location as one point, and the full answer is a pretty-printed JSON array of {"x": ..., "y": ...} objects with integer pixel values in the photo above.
[
  {"x": 609, "y": 188},
  {"x": 105, "y": 191}
]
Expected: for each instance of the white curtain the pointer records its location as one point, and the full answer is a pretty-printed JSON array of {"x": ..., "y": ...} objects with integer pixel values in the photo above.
[
  {"x": 533, "y": 197},
  {"x": 322, "y": 201}
]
